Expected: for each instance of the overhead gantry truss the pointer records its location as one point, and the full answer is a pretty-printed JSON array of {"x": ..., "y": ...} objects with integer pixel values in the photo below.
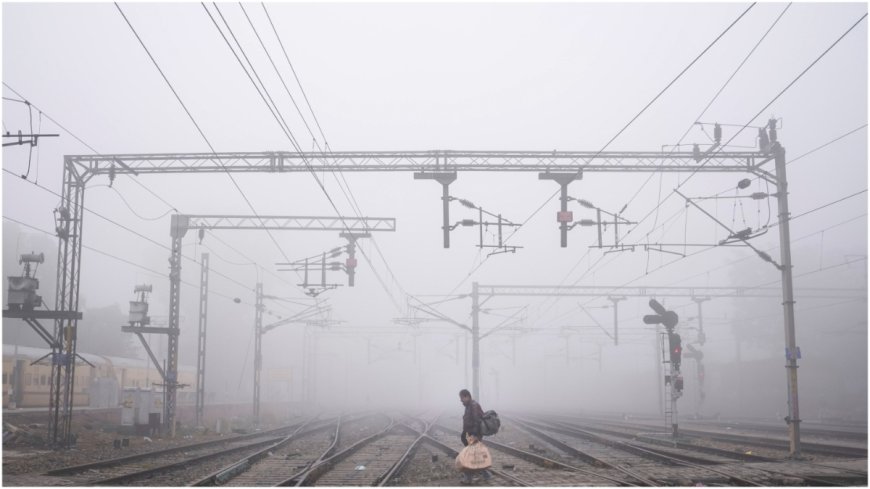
[
  {"x": 655, "y": 291},
  {"x": 440, "y": 165},
  {"x": 421, "y": 161},
  {"x": 297, "y": 223}
]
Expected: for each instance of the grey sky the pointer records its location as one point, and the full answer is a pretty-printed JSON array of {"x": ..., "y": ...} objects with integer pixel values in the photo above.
[{"x": 419, "y": 76}]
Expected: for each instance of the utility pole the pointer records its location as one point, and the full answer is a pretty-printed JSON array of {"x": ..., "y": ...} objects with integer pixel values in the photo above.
[
  {"x": 258, "y": 350},
  {"x": 563, "y": 217},
  {"x": 260, "y": 330},
  {"x": 80, "y": 169},
  {"x": 22, "y": 303},
  {"x": 350, "y": 264},
  {"x": 445, "y": 179},
  {"x": 200, "y": 349},
  {"x": 178, "y": 229},
  {"x": 792, "y": 352},
  {"x": 475, "y": 341},
  {"x": 615, "y": 301},
  {"x": 702, "y": 337}
]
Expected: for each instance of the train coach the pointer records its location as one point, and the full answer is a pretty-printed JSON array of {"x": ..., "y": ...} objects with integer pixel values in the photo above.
[{"x": 99, "y": 385}]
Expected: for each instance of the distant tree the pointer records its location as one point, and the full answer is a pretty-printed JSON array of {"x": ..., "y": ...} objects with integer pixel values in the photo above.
[{"x": 100, "y": 332}]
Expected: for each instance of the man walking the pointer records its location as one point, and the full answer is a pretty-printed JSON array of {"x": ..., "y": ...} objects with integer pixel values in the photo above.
[{"x": 471, "y": 429}]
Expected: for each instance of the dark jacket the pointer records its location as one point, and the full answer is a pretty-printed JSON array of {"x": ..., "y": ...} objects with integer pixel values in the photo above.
[{"x": 472, "y": 418}]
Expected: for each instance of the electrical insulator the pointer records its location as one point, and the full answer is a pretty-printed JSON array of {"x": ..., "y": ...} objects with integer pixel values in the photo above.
[
  {"x": 717, "y": 133},
  {"x": 696, "y": 153},
  {"x": 771, "y": 125},
  {"x": 468, "y": 222},
  {"x": 759, "y": 196},
  {"x": 763, "y": 141},
  {"x": 201, "y": 235},
  {"x": 742, "y": 184},
  {"x": 743, "y": 234}
]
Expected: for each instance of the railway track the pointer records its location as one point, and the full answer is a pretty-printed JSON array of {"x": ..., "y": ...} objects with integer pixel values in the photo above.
[
  {"x": 276, "y": 463},
  {"x": 740, "y": 440},
  {"x": 377, "y": 450},
  {"x": 853, "y": 433},
  {"x": 158, "y": 466},
  {"x": 288, "y": 461},
  {"x": 534, "y": 469},
  {"x": 673, "y": 465}
]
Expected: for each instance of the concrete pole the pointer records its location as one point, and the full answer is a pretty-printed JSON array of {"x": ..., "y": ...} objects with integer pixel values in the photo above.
[
  {"x": 702, "y": 337},
  {"x": 615, "y": 301},
  {"x": 475, "y": 342},
  {"x": 258, "y": 350},
  {"x": 792, "y": 353}
]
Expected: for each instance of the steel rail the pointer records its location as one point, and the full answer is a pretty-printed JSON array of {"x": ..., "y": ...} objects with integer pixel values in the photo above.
[
  {"x": 397, "y": 467},
  {"x": 123, "y": 479},
  {"x": 684, "y": 460},
  {"x": 75, "y": 469},
  {"x": 225, "y": 474},
  {"x": 537, "y": 459},
  {"x": 498, "y": 473},
  {"x": 767, "y": 442},
  {"x": 583, "y": 455},
  {"x": 309, "y": 476},
  {"x": 819, "y": 480},
  {"x": 741, "y": 456}
]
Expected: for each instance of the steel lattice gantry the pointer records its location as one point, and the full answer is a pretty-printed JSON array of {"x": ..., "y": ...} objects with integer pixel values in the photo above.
[
  {"x": 179, "y": 226},
  {"x": 79, "y": 169},
  {"x": 481, "y": 293}
]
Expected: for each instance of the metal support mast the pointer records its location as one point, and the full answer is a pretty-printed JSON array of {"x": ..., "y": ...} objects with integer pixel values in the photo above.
[
  {"x": 258, "y": 350},
  {"x": 78, "y": 169},
  {"x": 69, "y": 231},
  {"x": 303, "y": 317},
  {"x": 178, "y": 228},
  {"x": 350, "y": 264},
  {"x": 563, "y": 217},
  {"x": 792, "y": 352},
  {"x": 615, "y": 301},
  {"x": 22, "y": 301},
  {"x": 445, "y": 179},
  {"x": 702, "y": 337},
  {"x": 200, "y": 349},
  {"x": 475, "y": 341}
]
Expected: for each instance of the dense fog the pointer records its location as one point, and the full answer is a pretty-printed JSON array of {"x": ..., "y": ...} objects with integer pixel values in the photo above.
[{"x": 474, "y": 77}]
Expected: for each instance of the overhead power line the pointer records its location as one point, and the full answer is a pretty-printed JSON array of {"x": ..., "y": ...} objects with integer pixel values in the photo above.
[
  {"x": 273, "y": 109},
  {"x": 146, "y": 188},
  {"x": 198, "y": 128},
  {"x": 626, "y": 126},
  {"x": 295, "y": 75},
  {"x": 813, "y": 63},
  {"x": 124, "y": 260}
]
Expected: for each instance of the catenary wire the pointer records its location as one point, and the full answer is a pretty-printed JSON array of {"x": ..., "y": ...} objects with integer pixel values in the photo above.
[
  {"x": 136, "y": 181},
  {"x": 747, "y": 124},
  {"x": 61, "y": 126},
  {"x": 201, "y": 133},
  {"x": 123, "y": 260},
  {"x": 295, "y": 144},
  {"x": 549, "y": 199}
]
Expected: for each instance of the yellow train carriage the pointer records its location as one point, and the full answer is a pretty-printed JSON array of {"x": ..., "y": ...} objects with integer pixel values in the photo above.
[{"x": 97, "y": 386}]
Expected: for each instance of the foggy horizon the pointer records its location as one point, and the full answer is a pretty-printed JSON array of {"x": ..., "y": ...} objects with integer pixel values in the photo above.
[{"x": 415, "y": 77}]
